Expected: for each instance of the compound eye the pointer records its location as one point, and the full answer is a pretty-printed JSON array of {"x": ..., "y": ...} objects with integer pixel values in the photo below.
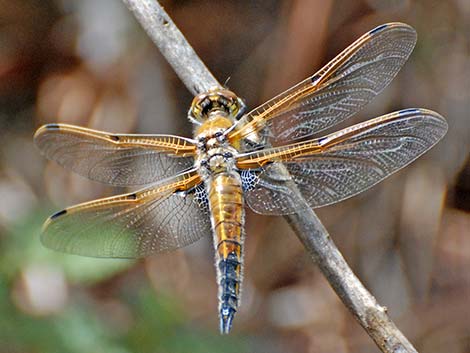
[
  {"x": 205, "y": 103},
  {"x": 228, "y": 155},
  {"x": 218, "y": 134},
  {"x": 224, "y": 102}
]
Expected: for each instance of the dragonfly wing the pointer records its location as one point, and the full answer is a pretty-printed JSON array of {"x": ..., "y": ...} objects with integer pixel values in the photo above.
[
  {"x": 336, "y": 92},
  {"x": 116, "y": 159},
  {"x": 342, "y": 164},
  {"x": 159, "y": 218}
]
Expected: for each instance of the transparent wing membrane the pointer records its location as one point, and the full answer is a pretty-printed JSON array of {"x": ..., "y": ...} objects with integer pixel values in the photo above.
[
  {"x": 172, "y": 213},
  {"x": 336, "y": 92},
  {"x": 159, "y": 218},
  {"x": 115, "y": 159},
  {"x": 340, "y": 165}
]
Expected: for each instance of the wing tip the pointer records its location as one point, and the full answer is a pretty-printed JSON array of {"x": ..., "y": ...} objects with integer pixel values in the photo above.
[
  {"x": 45, "y": 129},
  {"x": 391, "y": 25},
  {"x": 54, "y": 127},
  {"x": 423, "y": 111},
  {"x": 49, "y": 127},
  {"x": 429, "y": 114},
  {"x": 394, "y": 25}
]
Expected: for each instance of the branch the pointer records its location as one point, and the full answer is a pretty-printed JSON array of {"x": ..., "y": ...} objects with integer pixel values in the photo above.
[
  {"x": 173, "y": 45},
  {"x": 197, "y": 78},
  {"x": 372, "y": 317}
]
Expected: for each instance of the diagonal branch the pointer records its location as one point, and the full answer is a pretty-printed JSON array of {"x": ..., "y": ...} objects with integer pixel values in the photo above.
[
  {"x": 173, "y": 45},
  {"x": 197, "y": 78}
]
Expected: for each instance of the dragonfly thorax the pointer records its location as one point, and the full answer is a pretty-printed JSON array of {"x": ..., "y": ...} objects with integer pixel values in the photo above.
[
  {"x": 215, "y": 154},
  {"x": 216, "y": 160}
]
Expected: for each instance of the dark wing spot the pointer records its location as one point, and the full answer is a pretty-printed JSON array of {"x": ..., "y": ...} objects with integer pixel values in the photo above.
[
  {"x": 114, "y": 137},
  {"x": 407, "y": 111},
  {"x": 315, "y": 78},
  {"x": 378, "y": 29},
  {"x": 52, "y": 126},
  {"x": 58, "y": 214},
  {"x": 132, "y": 197}
]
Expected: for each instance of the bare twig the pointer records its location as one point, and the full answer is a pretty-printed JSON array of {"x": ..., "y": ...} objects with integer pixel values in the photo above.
[
  {"x": 372, "y": 317},
  {"x": 173, "y": 45},
  {"x": 306, "y": 224}
]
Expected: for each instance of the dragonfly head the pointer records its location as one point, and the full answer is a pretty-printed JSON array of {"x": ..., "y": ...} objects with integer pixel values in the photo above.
[{"x": 216, "y": 101}]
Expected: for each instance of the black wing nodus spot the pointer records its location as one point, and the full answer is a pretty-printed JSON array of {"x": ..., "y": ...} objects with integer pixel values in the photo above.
[
  {"x": 114, "y": 137},
  {"x": 315, "y": 78},
  {"x": 132, "y": 196}
]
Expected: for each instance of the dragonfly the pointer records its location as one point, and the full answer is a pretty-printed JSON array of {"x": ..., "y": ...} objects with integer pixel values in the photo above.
[{"x": 192, "y": 187}]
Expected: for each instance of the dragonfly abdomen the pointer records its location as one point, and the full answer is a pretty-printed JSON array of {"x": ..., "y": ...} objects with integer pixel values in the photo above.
[{"x": 227, "y": 213}]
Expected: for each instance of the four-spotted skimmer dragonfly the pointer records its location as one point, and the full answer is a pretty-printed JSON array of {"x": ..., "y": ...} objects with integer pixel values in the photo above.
[{"x": 201, "y": 185}]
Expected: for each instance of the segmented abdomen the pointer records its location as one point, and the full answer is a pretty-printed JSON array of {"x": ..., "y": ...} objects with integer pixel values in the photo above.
[{"x": 227, "y": 213}]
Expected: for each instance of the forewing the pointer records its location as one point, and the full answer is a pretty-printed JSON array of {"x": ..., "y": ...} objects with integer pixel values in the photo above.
[
  {"x": 342, "y": 164},
  {"x": 336, "y": 92},
  {"x": 116, "y": 159},
  {"x": 159, "y": 218}
]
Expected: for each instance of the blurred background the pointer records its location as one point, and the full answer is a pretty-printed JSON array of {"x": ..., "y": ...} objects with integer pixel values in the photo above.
[{"x": 88, "y": 62}]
